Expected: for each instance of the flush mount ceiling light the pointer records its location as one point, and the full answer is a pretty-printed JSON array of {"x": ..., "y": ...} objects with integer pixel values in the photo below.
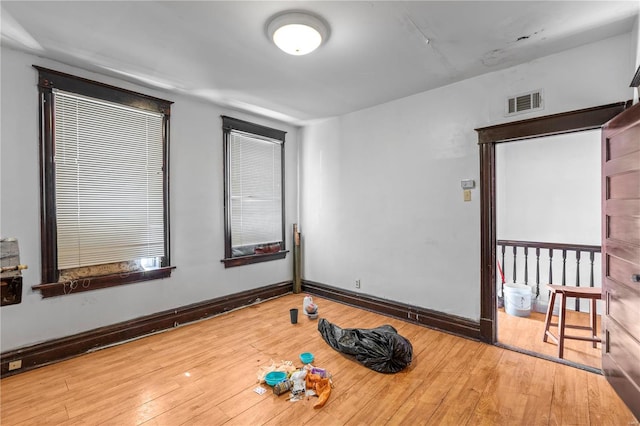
[{"x": 297, "y": 32}]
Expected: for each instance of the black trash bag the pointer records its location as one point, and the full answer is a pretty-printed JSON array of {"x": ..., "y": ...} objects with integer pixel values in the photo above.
[{"x": 381, "y": 349}]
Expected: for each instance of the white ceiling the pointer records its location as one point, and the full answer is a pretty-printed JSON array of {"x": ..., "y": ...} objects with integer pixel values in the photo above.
[{"x": 376, "y": 52}]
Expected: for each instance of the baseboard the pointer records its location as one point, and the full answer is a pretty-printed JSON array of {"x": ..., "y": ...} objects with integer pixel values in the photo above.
[
  {"x": 486, "y": 331},
  {"x": 67, "y": 347},
  {"x": 414, "y": 314}
]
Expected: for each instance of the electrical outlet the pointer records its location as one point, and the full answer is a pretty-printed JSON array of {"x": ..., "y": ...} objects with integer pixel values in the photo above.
[
  {"x": 14, "y": 365},
  {"x": 357, "y": 283}
]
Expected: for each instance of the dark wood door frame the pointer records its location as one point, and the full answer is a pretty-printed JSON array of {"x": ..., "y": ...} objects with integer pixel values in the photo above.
[{"x": 488, "y": 137}]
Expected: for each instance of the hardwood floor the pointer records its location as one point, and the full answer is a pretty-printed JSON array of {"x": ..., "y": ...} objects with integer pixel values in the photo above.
[
  {"x": 205, "y": 374},
  {"x": 526, "y": 333}
]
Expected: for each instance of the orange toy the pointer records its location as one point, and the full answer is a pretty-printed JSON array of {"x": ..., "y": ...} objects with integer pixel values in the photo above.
[{"x": 321, "y": 386}]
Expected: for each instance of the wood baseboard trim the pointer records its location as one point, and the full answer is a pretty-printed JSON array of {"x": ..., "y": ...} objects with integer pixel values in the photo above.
[
  {"x": 433, "y": 319},
  {"x": 486, "y": 331},
  {"x": 67, "y": 347}
]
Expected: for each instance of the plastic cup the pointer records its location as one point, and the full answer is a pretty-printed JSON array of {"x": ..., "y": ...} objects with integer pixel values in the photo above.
[{"x": 294, "y": 315}]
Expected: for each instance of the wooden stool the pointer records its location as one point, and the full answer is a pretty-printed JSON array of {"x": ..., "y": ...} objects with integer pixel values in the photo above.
[{"x": 592, "y": 293}]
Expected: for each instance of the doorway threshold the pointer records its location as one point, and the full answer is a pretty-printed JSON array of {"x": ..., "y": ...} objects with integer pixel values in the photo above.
[{"x": 550, "y": 358}]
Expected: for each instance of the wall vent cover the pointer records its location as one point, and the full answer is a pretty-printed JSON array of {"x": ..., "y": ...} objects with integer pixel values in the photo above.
[{"x": 525, "y": 102}]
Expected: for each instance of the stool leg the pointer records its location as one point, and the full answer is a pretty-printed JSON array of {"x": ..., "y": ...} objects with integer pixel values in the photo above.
[
  {"x": 547, "y": 320},
  {"x": 561, "y": 321},
  {"x": 593, "y": 314}
]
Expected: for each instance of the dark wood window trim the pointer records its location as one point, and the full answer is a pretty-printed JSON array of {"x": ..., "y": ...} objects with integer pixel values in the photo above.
[
  {"x": 94, "y": 283},
  {"x": 488, "y": 137},
  {"x": 47, "y": 81},
  {"x": 254, "y": 258},
  {"x": 229, "y": 124}
]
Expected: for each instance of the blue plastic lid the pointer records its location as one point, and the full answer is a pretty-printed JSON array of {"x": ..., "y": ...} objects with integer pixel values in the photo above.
[
  {"x": 306, "y": 357},
  {"x": 275, "y": 377}
]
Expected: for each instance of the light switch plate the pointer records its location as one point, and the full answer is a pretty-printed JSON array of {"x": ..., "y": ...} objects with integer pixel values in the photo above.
[{"x": 467, "y": 195}]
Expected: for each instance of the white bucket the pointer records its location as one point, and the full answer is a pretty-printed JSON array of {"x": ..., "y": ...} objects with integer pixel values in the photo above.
[{"x": 517, "y": 300}]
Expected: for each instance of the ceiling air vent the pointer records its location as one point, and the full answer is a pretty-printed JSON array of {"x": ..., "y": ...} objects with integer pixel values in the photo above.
[{"x": 526, "y": 102}]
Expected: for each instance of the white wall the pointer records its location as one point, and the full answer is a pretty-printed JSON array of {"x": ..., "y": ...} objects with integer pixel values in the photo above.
[
  {"x": 197, "y": 224},
  {"x": 548, "y": 189},
  {"x": 381, "y": 196}
]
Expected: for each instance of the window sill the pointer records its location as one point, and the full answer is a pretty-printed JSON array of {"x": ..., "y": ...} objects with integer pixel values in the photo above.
[
  {"x": 254, "y": 258},
  {"x": 95, "y": 283}
]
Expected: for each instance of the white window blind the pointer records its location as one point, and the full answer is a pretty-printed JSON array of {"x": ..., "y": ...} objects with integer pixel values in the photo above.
[
  {"x": 256, "y": 189},
  {"x": 108, "y": 182}
]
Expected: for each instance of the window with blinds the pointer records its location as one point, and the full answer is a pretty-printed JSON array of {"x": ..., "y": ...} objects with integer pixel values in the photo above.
[
  {"x": 108, "y": 182},
  {"x": 104, "y": 185},
  {"x": 254, "y": 190}
]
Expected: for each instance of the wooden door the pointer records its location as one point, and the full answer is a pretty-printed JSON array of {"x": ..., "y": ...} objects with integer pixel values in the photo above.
[{"x": 621, "y": 255}]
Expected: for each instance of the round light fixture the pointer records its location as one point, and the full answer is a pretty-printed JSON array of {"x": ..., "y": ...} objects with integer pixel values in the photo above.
[{"x": 297, "y": 33}]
